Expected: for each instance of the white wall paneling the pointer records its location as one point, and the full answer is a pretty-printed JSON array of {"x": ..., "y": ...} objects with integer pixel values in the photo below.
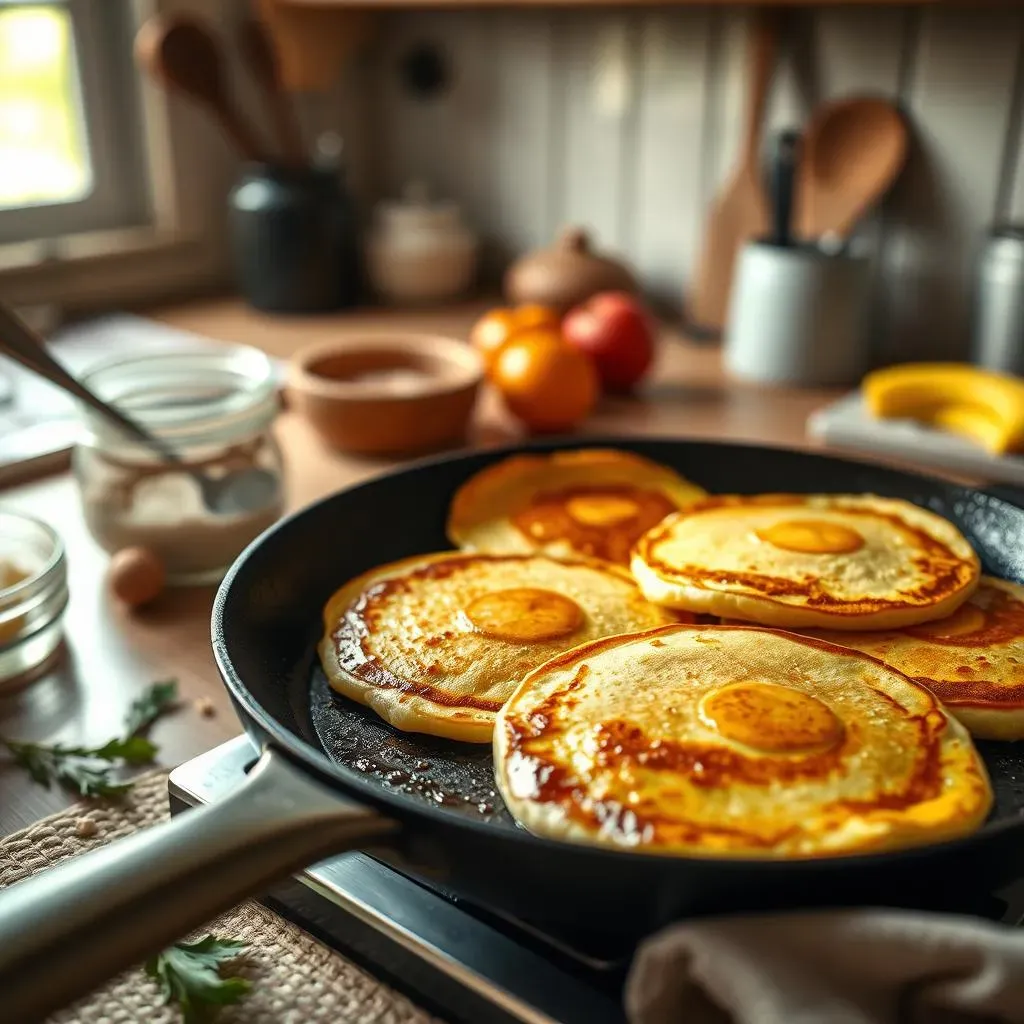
[
  {"x": 521, "y": 203},
  {"x": 958, "y": 98},
  {"x": 444, "y": 139},
  {"x": 595, "y": 57},
  {"x": 858, "y": 50},
  {"x": 628, "y": 120},
  {"x": 726, "y": 92},
  {"x": 671, "y": 128}
]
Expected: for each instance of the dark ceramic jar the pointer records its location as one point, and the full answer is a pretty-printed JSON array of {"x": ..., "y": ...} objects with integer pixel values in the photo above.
[{"x": 293, "y": 239}]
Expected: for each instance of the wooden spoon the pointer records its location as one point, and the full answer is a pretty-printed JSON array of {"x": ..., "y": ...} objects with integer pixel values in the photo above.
[
  {"x": 314, "y": 41},
  {"x": 741, "y": 210},
  {"x": 183, "y": 54},
  {"x": 854, "y": 150},
  {"x": 260, "y": 58}
]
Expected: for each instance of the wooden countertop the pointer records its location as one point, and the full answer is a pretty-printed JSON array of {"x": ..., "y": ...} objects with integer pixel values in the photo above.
[{"x": 112, "y": 655}]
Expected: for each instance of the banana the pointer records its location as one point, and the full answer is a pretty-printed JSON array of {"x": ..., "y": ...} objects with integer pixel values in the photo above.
[
  {"x": 975, "y": 422},
  {"x": 987, "y": 406}
]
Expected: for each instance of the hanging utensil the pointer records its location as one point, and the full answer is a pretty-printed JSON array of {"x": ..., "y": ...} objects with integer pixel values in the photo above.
[
  {"x": 783, "y": 171},
  {"x": 183, "y": 54},
  {"x": 314, "y": 40},
  {"x": 741, "y": 210},
  {"x": 854, "y": 149},
  {"x": 260, "y": 57}
]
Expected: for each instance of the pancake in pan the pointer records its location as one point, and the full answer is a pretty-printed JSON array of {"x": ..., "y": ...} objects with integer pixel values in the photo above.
[
  {"x": 973, "y": 660},
  {"x": 732, "y": 741},
  {"x": 831, "y": 561},
  {"x": 593, "y": 502},
  {"x": 435, "y": 644}
]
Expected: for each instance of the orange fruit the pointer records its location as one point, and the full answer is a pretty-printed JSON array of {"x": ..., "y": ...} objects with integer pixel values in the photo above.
[
  {"x": 532, "y": 315},
  {"x": 491, "y": 331},
  {"x": 544, "y": 382},
  {"x": 496, "y": 327}
]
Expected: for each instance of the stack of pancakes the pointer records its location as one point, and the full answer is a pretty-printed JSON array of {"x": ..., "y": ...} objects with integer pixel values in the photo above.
[{"x": 769, "y": 675}]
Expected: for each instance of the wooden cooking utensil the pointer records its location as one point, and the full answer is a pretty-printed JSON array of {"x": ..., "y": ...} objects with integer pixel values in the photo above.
[
  {"x": 313, "y": 41},
  {"x": 853, "y": 151},
  {"x": 260, "y": 57},
  {"x": 183, "y": 54},
  {"x": 741, "y": 210}
]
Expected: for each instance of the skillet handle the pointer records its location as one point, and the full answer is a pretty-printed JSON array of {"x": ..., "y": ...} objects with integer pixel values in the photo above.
[{"x": 68, "y": 929}]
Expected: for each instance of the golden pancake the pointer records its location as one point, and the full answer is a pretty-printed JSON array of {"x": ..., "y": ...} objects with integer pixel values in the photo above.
[
  {"x": 829, "y": 561},
  {"x": 435, "y": 644},
  {"x": 972, "y": 660},
  {"x": 594, "y": 502},
  {"x": 734, "y": 741}
]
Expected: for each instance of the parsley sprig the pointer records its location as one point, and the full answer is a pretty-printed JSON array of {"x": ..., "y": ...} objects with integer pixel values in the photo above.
[
  {"x": 92, "y": 771},
  {"x": 190, "y": 975}
]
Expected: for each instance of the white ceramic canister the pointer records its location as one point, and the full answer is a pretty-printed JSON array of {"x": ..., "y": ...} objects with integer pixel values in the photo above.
[
  {"x": 797, "y": 316},
  {"x": 419, "y": 251}
]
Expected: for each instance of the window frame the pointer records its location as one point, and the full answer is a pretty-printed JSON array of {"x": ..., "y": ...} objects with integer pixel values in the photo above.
[
  {"x": 186, "y": 170},
  {"x": 110, "y": 119}
]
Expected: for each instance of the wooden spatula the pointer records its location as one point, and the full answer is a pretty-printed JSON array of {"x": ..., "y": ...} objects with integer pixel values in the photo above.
[
  {"x": 184, "y": 54},
  {"x": 853, "y": 151},
  {"x": 260, "y": 57},
  {"x": 741, "y": 210},
  {"x": 313, "y": 41}
]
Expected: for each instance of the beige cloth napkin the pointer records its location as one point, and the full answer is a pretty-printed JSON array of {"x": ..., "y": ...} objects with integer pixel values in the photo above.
[{"x": 836, "y": 967}]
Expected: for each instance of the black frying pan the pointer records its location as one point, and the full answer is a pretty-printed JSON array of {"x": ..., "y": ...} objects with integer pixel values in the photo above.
[{"x": 331, "y": 776}]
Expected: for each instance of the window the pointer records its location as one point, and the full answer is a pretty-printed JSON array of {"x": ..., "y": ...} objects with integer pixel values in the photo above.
[{"x": 70, "y": 138}]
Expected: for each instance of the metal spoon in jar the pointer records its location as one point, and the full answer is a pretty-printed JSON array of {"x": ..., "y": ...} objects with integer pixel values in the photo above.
[{"x": 240, "y": 491}]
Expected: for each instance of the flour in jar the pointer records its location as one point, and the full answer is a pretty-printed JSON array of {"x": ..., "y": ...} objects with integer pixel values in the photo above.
[{"x": 164, "y": 512}]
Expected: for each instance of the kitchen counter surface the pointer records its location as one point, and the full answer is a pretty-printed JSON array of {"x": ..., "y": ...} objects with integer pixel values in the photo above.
[{"x": 111, "y": 654}]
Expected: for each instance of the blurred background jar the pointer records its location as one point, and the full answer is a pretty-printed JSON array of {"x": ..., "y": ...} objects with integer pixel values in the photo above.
[
  {"x": 294, "y": 239},
  {"x": 420, "y": 251},
  {"x": 215, "y": 409}
]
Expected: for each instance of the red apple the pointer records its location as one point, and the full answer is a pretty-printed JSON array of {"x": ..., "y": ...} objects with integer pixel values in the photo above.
[{"x": 616, "y": 331}]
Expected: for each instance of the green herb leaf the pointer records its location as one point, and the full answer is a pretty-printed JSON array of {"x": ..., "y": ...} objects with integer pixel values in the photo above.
[
  {"x": 133, "y": 750},
  {"x": 77, "y": 768},
  {"x": 92, "y": 771},
  {"x": 145, "y": 710},
  {"x": 190, "y": 975}
]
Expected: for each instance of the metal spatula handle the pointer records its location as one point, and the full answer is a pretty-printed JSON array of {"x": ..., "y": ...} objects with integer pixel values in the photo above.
[{"x": 23, "y": 345}]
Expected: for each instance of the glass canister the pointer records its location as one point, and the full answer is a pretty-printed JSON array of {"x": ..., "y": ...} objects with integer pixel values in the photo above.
[
  {"x": 214, "y": 408},
  {"x": 33, "y": 596}
]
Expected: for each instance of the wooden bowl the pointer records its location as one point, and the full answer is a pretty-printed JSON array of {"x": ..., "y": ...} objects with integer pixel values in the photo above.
[{"x": 394, "y": 394}]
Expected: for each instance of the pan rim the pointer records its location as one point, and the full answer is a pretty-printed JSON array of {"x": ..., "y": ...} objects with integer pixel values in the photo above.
[{"x": 410, "y": 809}]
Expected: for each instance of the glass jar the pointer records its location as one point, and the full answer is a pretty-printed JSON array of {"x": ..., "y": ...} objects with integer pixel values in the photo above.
[
  {"x": 214, "y": 408},
  {"x": 33, "y": 595}
]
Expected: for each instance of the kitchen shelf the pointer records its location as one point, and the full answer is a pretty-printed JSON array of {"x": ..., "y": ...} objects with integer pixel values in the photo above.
[
  {"x": 315, "y": 37},
  {"x": 379, "y": 5}
]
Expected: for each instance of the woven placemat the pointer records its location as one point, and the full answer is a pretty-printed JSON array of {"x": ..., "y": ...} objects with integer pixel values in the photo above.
[{"x": 295, "y": 979}]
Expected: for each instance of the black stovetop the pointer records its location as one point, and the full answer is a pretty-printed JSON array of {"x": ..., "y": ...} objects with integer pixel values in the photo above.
[{"x": 463, "y": 962}]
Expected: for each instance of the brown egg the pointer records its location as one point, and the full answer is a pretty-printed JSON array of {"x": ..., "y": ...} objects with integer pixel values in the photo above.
[{"x": 137, "y": 576}]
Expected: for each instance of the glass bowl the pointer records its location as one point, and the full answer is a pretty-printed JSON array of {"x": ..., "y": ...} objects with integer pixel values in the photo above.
[{"x": 33, "y": 595}]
